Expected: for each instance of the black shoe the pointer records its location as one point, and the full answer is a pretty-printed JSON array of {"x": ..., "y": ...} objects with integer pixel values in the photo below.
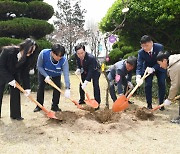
[
  {"x": 81, "y": 102},
  {"x": 37, "y": 109},
  {"x": 162, "y": 108},
  {"x": 55, "y": 108},
  {"x": 19, "y": 118},
  {"x": 97, "y": 108},
  {"x": 149, "y": 106},
  {"x": 130, "y": 102}
]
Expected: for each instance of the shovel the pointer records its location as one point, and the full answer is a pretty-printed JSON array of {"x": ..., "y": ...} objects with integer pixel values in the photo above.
[
  {"x": 122, "y": 102},
  {"x": 159, "y": 106},
  {"x": 91, "y": 102},
  {"x": 56, "y": 87},
  {"x": 50, "y": 114}
]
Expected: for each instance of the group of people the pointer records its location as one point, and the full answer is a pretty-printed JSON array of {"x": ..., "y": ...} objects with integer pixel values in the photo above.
[{"x": 16, "y": 62}]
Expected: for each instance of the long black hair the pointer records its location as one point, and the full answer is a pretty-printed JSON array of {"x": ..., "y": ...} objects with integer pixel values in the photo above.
[{"x": 25, "y": 46}]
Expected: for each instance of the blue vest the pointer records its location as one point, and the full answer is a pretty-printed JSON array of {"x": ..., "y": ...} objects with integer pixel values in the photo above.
[{"x": 52, "y": 69}]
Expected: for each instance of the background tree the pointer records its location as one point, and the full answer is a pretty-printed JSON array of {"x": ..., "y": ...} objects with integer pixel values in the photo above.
[
  {"x": 157, "y": 18},
  {"x": 20, "y": 19},
  {"x": 69, "y": 24}
]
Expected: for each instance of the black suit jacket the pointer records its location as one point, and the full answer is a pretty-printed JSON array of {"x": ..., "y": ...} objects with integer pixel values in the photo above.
[
  {"x": 90, "y": 66},
  {"x": 9, "y": 69}
]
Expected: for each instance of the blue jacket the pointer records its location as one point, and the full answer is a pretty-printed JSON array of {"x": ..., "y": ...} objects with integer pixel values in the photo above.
[{"x": 145, "y": 60}]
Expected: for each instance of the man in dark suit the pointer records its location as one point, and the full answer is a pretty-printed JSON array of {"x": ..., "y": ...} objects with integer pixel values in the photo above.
[
  {"x": 87, "y": 66},
  {"x": 147, "y": 59}
]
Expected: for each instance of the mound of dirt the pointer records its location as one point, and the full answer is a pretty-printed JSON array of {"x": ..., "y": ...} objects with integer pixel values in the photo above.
[
  {"x": 67, "y": 116},
  {"x": 144, "y": 114}
]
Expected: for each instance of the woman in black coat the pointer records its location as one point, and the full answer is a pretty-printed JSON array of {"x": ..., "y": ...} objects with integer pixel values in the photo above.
[{"x": 15, "y": 64}]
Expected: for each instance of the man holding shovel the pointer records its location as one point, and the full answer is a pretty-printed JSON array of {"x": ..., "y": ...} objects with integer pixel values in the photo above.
[
  {"x": 51, "y": 63},
  {"x": 121, "y": 73},
  {"x": 172, "y": 64},
  {"x": 147, "y": 59},
  {"x": 87, "y": 67}
]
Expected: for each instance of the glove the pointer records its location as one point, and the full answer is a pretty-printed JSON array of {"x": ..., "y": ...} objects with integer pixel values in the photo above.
[
  {"x": 67, "y": 93},
  {"x": 27, "y": 92},
  {"x": 47, "y": 79},
  {"x": 130, "y": 85},
  {"x": 31, "y": 72},
  {"x": 167, "y": 102},
  {"x": 84, "y": 84},
  {"x": 117, "y": 77},
  {"x": 12, "y": 83},
  {"x": 78, "y": 72},
  {"x": 150, "y": 70},
  {"x": 139, "y": 81}
]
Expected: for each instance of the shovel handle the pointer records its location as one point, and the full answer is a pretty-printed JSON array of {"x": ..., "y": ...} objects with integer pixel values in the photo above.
[
  {"x": 159, "y": 106},
  {"x": 31, "y": 98},
  {"x": 146, "y": 74}
]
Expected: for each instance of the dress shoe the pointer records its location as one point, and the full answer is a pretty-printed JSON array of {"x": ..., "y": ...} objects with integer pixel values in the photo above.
[
  {"x": 130, "y": 102},
  {"x": 81, "y": 102},
  {"x": 18, "y": 118},
  {"x": 55, "y": 108},
  {"x": 97, "y": 108},
  {"x": 162, "y": 108},
  {"x": 149, "y": 106},
  {"x": 37, "y": 109}
]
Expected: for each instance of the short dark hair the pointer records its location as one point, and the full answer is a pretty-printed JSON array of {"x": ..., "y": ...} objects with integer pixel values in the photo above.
[
  {"x": 145, "y": 39},
  {"x": 58, "y": 50},
  {"x": 162, "y": 55},
  {"x": 79, "y": 46},
  {"x": 132, "y": 60}
]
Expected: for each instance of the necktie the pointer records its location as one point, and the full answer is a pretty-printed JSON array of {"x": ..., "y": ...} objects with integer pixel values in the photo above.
[
  {"x": 81, "y": 61},
  {"x": 150, "y": 53}
]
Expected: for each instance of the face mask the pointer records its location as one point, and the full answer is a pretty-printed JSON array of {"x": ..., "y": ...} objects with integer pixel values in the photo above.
[{"x": 19, "y": 56}]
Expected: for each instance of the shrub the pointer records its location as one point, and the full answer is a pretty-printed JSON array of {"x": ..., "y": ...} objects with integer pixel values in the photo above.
[{"x": 115, "y": 55}]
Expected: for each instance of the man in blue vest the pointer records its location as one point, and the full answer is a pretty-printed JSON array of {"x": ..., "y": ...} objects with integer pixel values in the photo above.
[
  {"x": 147, "y": 59},
  {"x": 88, "y": 68},
  {"x": 51, "y": 63}
]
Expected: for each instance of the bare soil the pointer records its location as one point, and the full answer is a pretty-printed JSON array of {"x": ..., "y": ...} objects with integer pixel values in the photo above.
[{"x": 135, "y": 130}]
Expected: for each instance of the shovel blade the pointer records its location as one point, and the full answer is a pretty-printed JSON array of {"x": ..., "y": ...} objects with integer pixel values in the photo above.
[
  {"x": 92, "y": 102},
  {"x": 77, "y": 104},
  {"x": 120, "y": 104},
  {"x": 51, "y": 115}
]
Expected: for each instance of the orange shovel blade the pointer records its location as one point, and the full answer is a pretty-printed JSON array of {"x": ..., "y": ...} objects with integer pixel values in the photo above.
[
  {"x": 77, "y": 104},
  {"x": 120, "y": 104},
  {"x": 51, "y": 115},
  {"x": 92, "y": 102}
]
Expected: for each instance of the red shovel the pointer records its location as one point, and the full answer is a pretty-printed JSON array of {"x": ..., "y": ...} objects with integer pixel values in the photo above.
[
  {"x": 50, "y": 114},
  {"x": 56, "y": 87},
  {"x": 91, "y": 102},
  {"x": 159, "y": 106},
  {"x": 122, "y": 102}
]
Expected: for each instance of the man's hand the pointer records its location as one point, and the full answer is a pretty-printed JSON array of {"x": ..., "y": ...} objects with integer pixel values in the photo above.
[
  {"x": 139, "y": 81},
  {"x": 47, "y": 79},
  {"x": 117, "y": 77},
  {"x": 167, "y": 102},
  {"x": 78, "y": 72},
  {"x": 12, "y": 83},
  {"x": 27, "y": 92},
  {"x": 84, "y": 84},
  {"x": 67, "y": 93},
  {"x": 150, "y": 70},
  {"x": 130, "y": 85}
]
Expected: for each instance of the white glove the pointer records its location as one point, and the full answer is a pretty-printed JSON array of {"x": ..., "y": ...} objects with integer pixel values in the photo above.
[
  {"x": 84, "y": 84},
  {"x": 31, "y": 72},
  {"x": 150, "y": 70},
  {"x": 130, "y": 85},
  {"x": 67, "y": 93},
  {"x": 47, "y": 79},
  {"x": 139, "y": 81},
  {"x": 27, "y": 92},
  {"x": 12, "y": 83},
  {"x": 167, "y": 102},
  {"x": 78, "y": 72}
]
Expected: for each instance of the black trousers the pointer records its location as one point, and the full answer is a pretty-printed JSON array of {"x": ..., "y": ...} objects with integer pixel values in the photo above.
[
  {"x": 15, "y": 106},
  {"x": 96, "y": 88},
  {"x": 41, "y": 86}
]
